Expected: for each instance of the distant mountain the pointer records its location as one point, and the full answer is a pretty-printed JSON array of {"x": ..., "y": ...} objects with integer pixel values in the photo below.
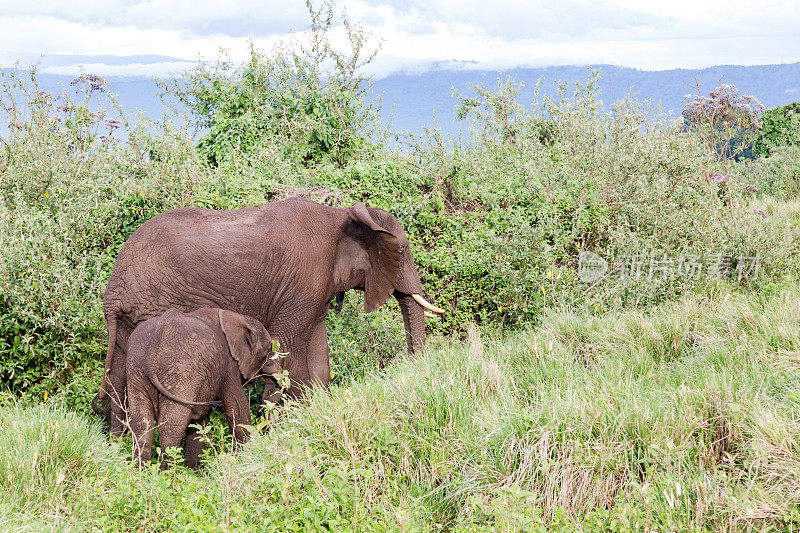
[
  {"x": 417, "y": 96},
  {"x": 411, "y": 101}
]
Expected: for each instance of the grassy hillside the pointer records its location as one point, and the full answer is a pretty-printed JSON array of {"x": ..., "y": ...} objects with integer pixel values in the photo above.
[{"x": 680, "y": 418}]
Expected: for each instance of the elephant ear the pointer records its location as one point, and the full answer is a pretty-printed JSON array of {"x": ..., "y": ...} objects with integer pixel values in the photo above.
[
  {"x": 383, "y": 249},
  {"x": 248, "y": 341}
]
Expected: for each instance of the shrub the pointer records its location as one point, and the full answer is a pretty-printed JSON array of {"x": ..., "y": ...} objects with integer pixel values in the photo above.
[
  {"x": 70, "y": 195},
  {"x": 496, "y": 223},
  {"x": 777, "y": 176},
  {"x": 499, "y": 222},
  {"x": 781, "y": 127},
  {"x": 307, "y": 101}
]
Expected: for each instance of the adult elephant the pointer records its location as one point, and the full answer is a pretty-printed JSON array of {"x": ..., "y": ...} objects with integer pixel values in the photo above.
[{"x": 281, "y": 263}]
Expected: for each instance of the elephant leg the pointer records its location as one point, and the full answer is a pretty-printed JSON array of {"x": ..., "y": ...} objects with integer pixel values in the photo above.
[
  {"x": 115, "y": 384},
  {"x": 173, "y": 419},
  {"x": 142, "y": 424},
  {"x": 310, "y": 364},
  {"x": 236, "y": 408},
  {"x": 318, "y": 358},
  {"x": 195, "y": 446}
]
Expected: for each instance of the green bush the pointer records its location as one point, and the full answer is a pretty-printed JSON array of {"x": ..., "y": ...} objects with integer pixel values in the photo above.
[
  {"x": 780, "y": 127},
  {"x": 496, "y": 224},
  {"x": 306, "y": 102},
  {"x": 67, "y": 203},
  {"x": 777, "y": 176}
]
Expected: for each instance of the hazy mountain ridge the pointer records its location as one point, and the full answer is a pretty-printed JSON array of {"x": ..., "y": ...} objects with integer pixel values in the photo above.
[
  {"x": 411, "y": 101},
  {"x": 417, "y": 95}
]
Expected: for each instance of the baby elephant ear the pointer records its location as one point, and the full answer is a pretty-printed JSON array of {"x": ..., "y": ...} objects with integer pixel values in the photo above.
[{"x": 248, "y": 341}]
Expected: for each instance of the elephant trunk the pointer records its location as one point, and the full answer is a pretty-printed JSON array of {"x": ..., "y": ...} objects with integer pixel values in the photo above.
[{"x": 414, "y": 321}]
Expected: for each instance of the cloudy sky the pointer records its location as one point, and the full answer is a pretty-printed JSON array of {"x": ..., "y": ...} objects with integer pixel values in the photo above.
[{"x": 414, "y": 34}]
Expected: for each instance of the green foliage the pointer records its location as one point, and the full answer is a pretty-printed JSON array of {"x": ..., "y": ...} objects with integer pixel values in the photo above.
[
  {"x": 777, "y": 176},
  {"x": 495, "y": 225},
  {"x": 360, "y": 342},
  {"x": 70, "y": 195},
  {"x": 44, "y": 195},
  {"x": 781, "y": 127},
  {"x": 306, "y": 101}
]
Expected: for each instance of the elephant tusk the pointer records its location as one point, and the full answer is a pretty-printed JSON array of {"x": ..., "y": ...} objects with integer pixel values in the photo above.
[
  {"x": 429, "y": 314},
  {"x": 424, "y": 303}
]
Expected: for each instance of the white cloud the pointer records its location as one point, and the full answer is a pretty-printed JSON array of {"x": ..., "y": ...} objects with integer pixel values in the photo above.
[
  {"x": 417, "y": 33},
  {"x": 160, "y": 69},
  {"x": 24, "y": 34},
  {"x": 512, "y": 19},
  {"x": 198, "y": 16},
  {"x": 689, "y": 34}
]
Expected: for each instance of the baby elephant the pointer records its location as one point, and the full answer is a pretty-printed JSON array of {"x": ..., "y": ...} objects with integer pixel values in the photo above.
[{"x": 180, "y": 364}]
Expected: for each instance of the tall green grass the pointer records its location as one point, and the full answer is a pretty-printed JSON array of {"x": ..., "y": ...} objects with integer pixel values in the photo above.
[
  {"x": 684, "y": 417},
  {"x": 46, "y": 453}
]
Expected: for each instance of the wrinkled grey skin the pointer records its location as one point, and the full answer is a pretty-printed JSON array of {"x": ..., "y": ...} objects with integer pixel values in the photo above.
[
  {"x": 179, "y": 364},
  {"x": 281, "y": 263}
]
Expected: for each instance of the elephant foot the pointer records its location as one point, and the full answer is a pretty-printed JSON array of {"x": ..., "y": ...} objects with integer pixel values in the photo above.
[
  {"x": 100, "y": 405},
  {"x": 116, "y": 430},
  {"x": 117, "y": 422}
]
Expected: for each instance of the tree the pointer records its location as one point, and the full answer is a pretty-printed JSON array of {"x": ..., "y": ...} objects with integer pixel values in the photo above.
[
  {"x": 304, "y": 98},
  {"x": 780, "y": 128},
  {"x": 726, "y": 120}
]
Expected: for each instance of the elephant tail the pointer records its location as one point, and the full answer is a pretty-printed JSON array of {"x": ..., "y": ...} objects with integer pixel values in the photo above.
[
  {"x": 111, "y": 321},
  {"x": 160, "y": 388}
]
